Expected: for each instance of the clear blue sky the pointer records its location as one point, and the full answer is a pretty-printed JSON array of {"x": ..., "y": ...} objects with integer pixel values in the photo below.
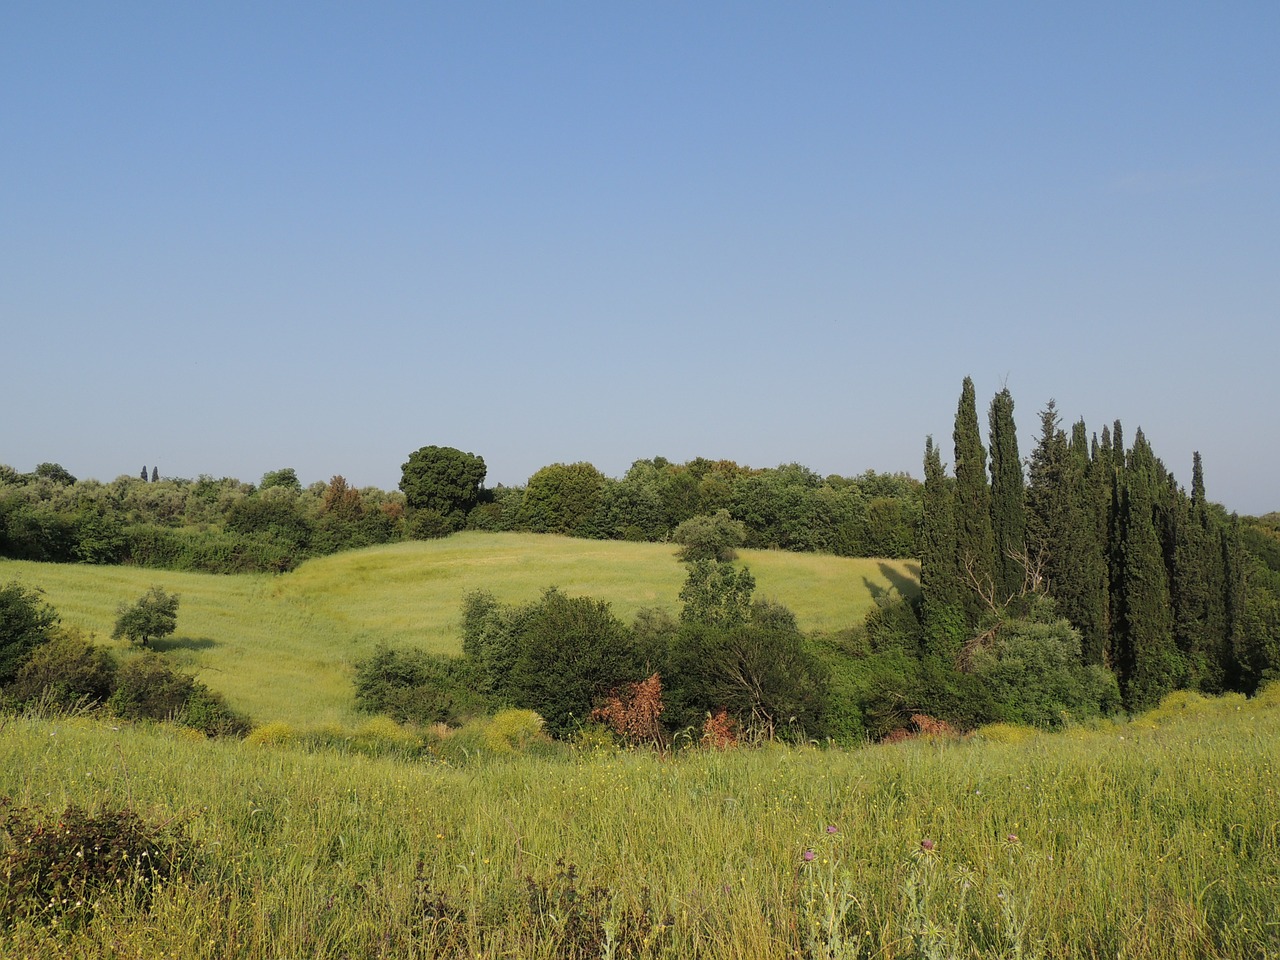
[{"x": 241, "y": 236}]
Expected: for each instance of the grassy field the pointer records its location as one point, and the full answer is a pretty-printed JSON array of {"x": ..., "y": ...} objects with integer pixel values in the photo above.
[
  {"x": 1153, "y": 839},
  {"x": 282, "y": 647}
]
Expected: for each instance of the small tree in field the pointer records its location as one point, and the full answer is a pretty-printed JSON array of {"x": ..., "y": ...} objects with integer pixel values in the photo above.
[
  {"x": 710, "y": 536},
  {"x": 155, "y": 615}
]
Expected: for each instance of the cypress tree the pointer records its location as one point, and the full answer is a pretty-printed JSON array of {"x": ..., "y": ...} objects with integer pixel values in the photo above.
[
  {"x": 941, "y": 611},
  {"x": 1088, "y": 517},
  {"x": 975, "y": 541},
  {"x": 1151, "y": 664},
  {"x": 1099, "y": 480},
  {"x": 144, "y": 473},
  {"x": 1235, "y": 611},
  {"x": 1189, "y": 593},
  {"x": 1008, "y": 491},
  {"x": 155, "y": 474}
]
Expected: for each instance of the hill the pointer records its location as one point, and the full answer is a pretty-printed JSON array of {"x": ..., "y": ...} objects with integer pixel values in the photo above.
[{"x": 282, "y": 647}]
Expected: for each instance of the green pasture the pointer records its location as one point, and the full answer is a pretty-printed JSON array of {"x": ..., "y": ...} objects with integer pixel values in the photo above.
[
  {"x": 282, "y": 647},
  {"x": 1151, "y": 840}
]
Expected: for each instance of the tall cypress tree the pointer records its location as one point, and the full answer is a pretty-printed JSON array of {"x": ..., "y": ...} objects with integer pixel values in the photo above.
[
  {"x": 1235, "y": 601},
  {"x": 1008, "y": 491},
  {"x": 1088, "y": 548},
  {"x": 975, "y": 541},
  {"x": 939, "y": 579},
  {"x": 1151, "y": 664}
]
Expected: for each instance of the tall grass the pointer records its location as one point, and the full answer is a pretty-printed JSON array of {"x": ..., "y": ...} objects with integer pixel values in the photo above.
[
  {"x": 281, "y": 648},
  {"x": 1154, "y": 839}
]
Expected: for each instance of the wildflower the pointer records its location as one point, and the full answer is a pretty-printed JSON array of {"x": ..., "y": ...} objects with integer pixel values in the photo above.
[
  {"x": 926, "y": 845},
  {"x": 1012, "y": 838},
  {"x": 808, "y": 856},
  {"x": 832, "y": 829}
]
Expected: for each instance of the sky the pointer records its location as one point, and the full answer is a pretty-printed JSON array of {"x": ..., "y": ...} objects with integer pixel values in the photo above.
[{"x": 236, "y": 237}]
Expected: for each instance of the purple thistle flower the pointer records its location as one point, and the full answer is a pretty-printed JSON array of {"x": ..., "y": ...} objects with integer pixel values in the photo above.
[
  {"x": 808, "y": 856},
  {"x": 926, "y": 845},
  {"x": 832, "y": 829}
]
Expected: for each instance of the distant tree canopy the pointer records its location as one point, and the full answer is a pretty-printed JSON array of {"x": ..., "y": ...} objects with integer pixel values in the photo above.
[{"x": 443, "y": 481}]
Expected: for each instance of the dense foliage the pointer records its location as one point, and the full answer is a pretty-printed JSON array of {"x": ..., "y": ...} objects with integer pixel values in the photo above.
[{"x": 228, "y": 526}]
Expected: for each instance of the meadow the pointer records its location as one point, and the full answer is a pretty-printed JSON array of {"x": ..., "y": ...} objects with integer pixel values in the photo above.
[
  {"x": 1158, "y": 838},
  {"x": 281, "y": 647},
  {"x": 330, "y": 835}
]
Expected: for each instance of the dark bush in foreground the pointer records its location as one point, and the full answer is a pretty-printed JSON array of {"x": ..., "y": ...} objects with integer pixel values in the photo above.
[{"x": 57, "y": 870}]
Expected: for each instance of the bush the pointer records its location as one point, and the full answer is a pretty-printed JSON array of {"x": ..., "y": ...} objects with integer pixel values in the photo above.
[
  {"x": 275, "y": 734},
  {"x": 57, "y": 870},
  {"x": 209, "y": 713},
  {"x": 383, "y": 737},
  {"x": 26, "y": 621},
  {"x": 511, "y": 730},
  {"x": 419, "y": 687},
  {"x": 147, "y": 688},
  {"x": 65, "y": 671}
]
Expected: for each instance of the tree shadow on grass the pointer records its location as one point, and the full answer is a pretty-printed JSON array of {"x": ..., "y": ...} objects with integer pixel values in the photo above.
[
  {"x": 906, "y": 586},
  {"x": 167, "y": 644}
]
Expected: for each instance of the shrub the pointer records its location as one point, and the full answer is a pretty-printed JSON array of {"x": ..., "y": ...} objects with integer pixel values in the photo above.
[
  {"x": 209, "y": 713},
  {"x": 58, "y": 870},
  {"x": 26, "y": 621},
  {"x": 419, "y": 687},
  {"x": 147, "y": 688},
  {"x": 510, "y": 730},
  {"x": 65, "y": 671}
]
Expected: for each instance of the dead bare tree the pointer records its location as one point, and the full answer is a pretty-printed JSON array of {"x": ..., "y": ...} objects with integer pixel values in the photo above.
[{"x": 1032, "y": 583}]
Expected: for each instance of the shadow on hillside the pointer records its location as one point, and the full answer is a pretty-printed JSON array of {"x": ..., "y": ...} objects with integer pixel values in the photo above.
[
  {"x": 181, "y": 643},
  {"x": 905, "y": 585}
]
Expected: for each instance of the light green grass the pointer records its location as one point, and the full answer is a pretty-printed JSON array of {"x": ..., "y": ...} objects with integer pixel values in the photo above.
[
  {"x": 1148, "y": 841},
  {"x": 281, "y": 648}
]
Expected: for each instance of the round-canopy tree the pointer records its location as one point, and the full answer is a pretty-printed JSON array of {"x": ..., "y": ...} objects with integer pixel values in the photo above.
[
  {"x": 443, "y": 480},
  {"x": 155, "y": 615}
]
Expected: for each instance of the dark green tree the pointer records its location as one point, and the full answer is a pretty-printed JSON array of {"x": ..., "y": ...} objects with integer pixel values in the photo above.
[
  {"x": 571, "y": 652},
  {"x": 1151, "y": 664},
  {"x": 940, "y": 585},
  {"x": 443, "y": 480},
  {"x": 285, "y": 477},
  {"x": 26, "y": 622},
  {"x": 153, "y": 616},
  {"x": 1008, "y": 516},
  {"x": 714, "y": 536},
  {"x": 975, "y": 539},
  {"x": 564, "y": 498},
  {"x": 55, "y": 472},
  {"x": 155, "y": 474}
]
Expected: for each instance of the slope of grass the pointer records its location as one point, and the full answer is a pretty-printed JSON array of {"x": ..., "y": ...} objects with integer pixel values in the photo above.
[
  {"x": 1151, "y": 840},
  {"x": 282, "y": 648}
]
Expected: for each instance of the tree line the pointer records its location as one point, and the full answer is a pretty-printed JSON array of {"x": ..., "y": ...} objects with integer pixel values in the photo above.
[{"x": 229, "y": 526}]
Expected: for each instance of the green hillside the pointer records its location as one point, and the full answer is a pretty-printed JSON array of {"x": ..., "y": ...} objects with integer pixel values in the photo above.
[{"x": 281, "y": 647}]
